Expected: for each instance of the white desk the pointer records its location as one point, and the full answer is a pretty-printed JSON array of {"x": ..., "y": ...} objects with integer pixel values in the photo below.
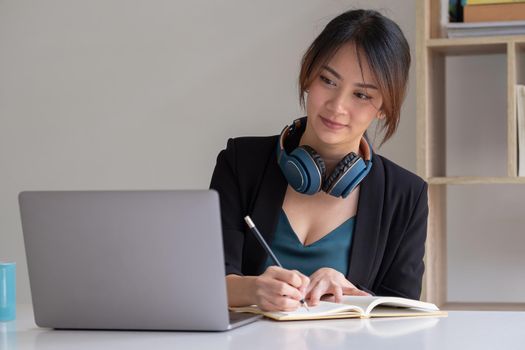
[{"x": 460, "y": 330}]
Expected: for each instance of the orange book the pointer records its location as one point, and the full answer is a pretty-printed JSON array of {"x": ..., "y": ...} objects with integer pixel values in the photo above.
[{"x": 494, "y": 12}]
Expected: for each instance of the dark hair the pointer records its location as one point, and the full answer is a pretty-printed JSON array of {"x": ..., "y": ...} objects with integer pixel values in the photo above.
[{"x": 383, "y": 44}]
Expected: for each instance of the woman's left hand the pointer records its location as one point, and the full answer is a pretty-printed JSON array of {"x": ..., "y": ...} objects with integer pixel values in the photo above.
[{"x": 329, "y": 281}]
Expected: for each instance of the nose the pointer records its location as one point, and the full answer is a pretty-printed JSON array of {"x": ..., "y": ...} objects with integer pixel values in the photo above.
[{"x": 337, "y": 104}]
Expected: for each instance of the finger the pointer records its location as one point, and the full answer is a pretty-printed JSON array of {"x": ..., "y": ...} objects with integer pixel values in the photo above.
[
  {"x": 337, "y": 291},
  {"x": 267, "y": 287},
  {"x": 268, "y": 301},
  {"x": 316, "y": 293},
  {"x": 315, "y": 275},
  {"x": 287, "y": 304},
  {"x": 361, "y": 293},
  {"x": 278, "y": 288},
  {"x": 276, "y": 273},
  {"x": 314, "y": 281},
  {"x": 268, "y": 304},
  {"x": 350, "y": 289},
  {"x": 305, "y": 282},
  {"x": 311, "y": 286},
  {"x": 291, "y": 277},
  {"x": 354, "y": 291},
  {"x": 278, "y": 304}
]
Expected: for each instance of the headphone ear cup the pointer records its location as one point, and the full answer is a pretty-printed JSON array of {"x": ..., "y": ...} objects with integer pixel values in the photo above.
[
  {"x": 312, "y": 169},
  {"x": 333, "y": 182},
  {"x": 317, "y": 159}
]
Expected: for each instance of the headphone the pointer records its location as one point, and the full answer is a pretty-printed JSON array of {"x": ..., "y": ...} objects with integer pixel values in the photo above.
[{"x": 305, "y": 170}]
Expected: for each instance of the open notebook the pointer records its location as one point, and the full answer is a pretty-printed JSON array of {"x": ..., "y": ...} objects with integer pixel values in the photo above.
[{"x": 354, "y": 307}]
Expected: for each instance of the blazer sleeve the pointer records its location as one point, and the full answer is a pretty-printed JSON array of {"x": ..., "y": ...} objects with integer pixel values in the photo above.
[
  {"x": 405, "y": 274},
  {"x": 225, "y": 181}
]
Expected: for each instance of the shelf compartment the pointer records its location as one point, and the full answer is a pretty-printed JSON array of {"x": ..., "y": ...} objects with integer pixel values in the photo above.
[
  {"x": 451, "y": 100},
  {"x": 484, "y": 306},
  {"x": 476, "y": 115},
  {"x": 485, "y": 246}
]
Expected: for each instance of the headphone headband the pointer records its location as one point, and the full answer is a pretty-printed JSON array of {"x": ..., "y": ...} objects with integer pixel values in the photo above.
[
  {"x": 365, "y": 149},
  {"x": 297, "y": 124}
]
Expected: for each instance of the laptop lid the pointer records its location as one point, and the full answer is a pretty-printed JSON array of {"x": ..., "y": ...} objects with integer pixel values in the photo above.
[{"x": 149, "y": 260}]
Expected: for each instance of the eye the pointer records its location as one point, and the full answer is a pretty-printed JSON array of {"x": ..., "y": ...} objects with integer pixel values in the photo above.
[
  {"x": 327, "y": 81},
  {"x": 362, "y": 96}
]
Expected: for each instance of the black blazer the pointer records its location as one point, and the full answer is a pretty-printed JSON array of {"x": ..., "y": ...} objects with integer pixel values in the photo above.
[{"x": 386, "y": 256}]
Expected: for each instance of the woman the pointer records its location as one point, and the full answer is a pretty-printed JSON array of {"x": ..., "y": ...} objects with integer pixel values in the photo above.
[{"x": 342, "y": 219}]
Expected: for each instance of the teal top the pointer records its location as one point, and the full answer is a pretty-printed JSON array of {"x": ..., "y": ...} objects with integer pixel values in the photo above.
[{"x": 332, "y": 250}]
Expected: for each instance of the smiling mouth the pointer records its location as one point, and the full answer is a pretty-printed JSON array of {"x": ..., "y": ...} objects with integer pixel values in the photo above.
[{"x": 332, "y": 125}]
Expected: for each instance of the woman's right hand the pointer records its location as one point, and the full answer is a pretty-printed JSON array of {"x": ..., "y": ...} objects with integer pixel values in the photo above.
[{"x": 278, "y": 289}]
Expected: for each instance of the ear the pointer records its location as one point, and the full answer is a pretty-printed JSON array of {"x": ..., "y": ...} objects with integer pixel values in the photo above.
[
  {"x": 307, "y": 87},
  {"x": 381, "y": 115}
]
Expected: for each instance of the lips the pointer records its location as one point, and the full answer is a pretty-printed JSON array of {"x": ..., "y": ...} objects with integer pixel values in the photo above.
[{"x": 331, "y": 124}]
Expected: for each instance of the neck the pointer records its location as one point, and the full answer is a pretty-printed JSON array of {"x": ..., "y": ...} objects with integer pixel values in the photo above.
[{"x": 331, "y": 153}]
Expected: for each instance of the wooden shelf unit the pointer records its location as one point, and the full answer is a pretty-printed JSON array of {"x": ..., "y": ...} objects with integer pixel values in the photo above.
[
  {"x": 485, "y": 306},
  {"x": 474, "y": 180},
  {"x": 432, "y": 49}
]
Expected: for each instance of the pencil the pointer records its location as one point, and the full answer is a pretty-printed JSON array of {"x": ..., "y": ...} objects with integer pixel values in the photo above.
[{"x": 268, "y": 250}]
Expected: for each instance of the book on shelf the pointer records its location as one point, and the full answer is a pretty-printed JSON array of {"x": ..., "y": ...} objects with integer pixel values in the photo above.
[
  {"x": 514, "y": 11},
  {"x": 520, "y": 109},
  {"x": 452, "y": 11},
  {"x": 353, "y": 307},
  {"x": 458, "y": 30}
]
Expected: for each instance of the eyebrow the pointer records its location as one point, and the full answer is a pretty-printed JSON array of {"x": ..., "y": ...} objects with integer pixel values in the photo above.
[
  {"x": 338, "y": 76},
  {"x": 366, "y": 86},
  {"x": 333, "y": 71}
]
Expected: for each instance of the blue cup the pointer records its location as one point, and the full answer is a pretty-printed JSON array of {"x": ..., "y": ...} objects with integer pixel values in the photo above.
[{"x": 7, "y": 291}]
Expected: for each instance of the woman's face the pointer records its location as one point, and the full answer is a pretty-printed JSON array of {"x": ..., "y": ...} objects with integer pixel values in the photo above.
[{"x": 343, "y": 99}]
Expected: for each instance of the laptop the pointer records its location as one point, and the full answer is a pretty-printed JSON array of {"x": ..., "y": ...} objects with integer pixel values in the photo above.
[{"x": 127, "y": 260}]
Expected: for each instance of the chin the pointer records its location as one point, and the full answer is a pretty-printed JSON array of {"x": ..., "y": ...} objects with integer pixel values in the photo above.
[{"x": 331, "y": 138}]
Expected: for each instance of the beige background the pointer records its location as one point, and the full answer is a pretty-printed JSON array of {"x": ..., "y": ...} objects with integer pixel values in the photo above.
[{"x": 114, "y": 94}]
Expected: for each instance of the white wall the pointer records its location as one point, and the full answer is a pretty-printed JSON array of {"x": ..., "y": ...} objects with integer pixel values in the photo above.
[{"x": 114, "y": 94}]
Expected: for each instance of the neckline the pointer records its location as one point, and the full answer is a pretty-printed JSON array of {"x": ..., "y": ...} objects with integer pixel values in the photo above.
[{"x": 320, "y": 239}]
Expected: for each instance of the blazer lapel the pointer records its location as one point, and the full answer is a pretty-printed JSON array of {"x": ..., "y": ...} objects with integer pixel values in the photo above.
[
  {"x": 367, "y": 233},
  {"x": 265, "y": 211}
]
